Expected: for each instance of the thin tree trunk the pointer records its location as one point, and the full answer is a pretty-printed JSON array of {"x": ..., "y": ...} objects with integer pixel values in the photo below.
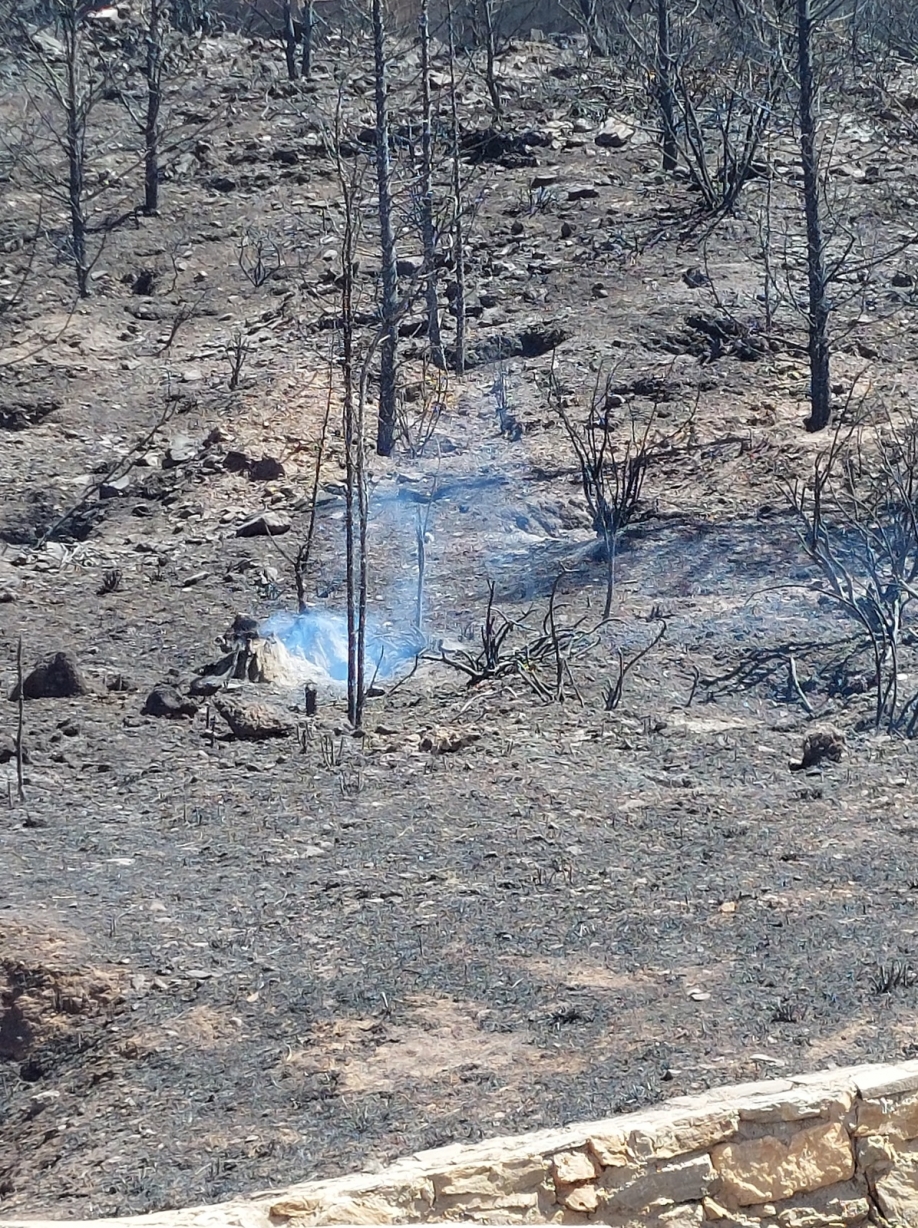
[
  {"x": 820, "y": 381},
  {"x": 592, "y": 26},
  {"x": 151, "y": 133},
  {"x": 427, "y": 212},
  {"x": 457, "y": 224},
  {"x": 665, "y": 90},
  {"x": 351, "y": 442},
  {"x": 290, "y": 48},
  {"x": 385, "y": 433},
  {"x": 309, "y": 16},
  {"x": 76, "y": 148},
  {"x": 487, "y": 13}
]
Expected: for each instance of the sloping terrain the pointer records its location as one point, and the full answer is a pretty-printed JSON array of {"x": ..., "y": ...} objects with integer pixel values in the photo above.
[{"x": 228, "y": 964}]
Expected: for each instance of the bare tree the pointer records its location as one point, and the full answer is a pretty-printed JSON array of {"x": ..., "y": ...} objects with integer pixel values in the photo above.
[
  {"x": 807, "y": 16},
  {"x": 428, "y": 226},
  {"x": 153, "y": 75},
  {"x": 859, "y": 527},
  {"x": 386, "y": 419},
  {"x": 458, "y": 217},
  {"x": 665, "y": 93}
]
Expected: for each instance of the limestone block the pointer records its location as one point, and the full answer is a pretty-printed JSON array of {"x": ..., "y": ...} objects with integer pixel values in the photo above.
[
  {"x": 896, "y": 1117},
  {"x": 798, "y": 1104},
  {"x": 875, "y": 1151},
  {"x": 666, "y": 1135},
  {"x": 765, "y": 1169},
  {"x": 570, "y": 1167},
  {"x": 582, "y": 1198},
  {"x": 879, "y": 1081},
  {"x": 636, "y": 1190},
  {"x": 897, "y": 1191},
  {"x": 490, "y": 1179},
  {"x": 610, "y": 1150},
  {"x": 512, "y": 1205},
  {"x": 689, "y": 1215}
]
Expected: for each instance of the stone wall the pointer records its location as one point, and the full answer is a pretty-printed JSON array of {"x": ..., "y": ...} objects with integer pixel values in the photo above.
[{"x": 823, "y": 1150}]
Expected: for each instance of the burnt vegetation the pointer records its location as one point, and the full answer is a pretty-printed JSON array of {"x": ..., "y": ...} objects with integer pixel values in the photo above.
[{"x": 458, "y": 561}]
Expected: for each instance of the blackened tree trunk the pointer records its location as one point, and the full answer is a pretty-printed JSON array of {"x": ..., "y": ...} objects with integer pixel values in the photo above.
[
  {"x": 490, "y": 37},
  {"x": 817, "y": 280},
  {"x": 458, "y": 225},
  {"x": 428, "y": 227},
  {"x": 597, "y": 38},
  {"x": 309, "y": 23},
  {"x": 355, "y": 497},
  {"x": 76, "y": 100},
  {"x": 386, "y": 420},
  {"x": 153, "y": 71},
  {"x": 290, "y": 42},
  {"x": 666, "y": 96}
]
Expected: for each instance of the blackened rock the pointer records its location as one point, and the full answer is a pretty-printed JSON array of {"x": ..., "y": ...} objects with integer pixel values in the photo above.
[
  {"x": 264, "y": 524},
  {"x": 166, "y": 701},
  {"x": 19, "y": 415},
  {"x": 531, "y": 342},
  {"x": 57, "y": 677},
  {"x": 268, "y": 469}
]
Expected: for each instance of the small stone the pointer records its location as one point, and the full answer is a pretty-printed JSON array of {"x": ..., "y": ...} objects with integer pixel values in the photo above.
[
  {"x": 410, "y": 266},
  {"x": 58, "y": 677},
  {"x": 582, "y": 191},
  {"x": 582, "y": 1198},
  {"x": 115, "y": 487},
  {"x": 165, "y": 701},
  {"x": 268, "y": 469},
  {"x": 181, "y": 450},
  {"x": 567, "y": 230},
  {"x": 570, "y": 1167},
  {"x": 265, "y": 524},
  {"x": 614, "y": 134}
]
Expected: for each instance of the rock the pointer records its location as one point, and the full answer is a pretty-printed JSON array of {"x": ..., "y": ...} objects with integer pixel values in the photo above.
[
  {"x": 695, "y": 278},
  {"x": 897, "y": 1191},
  {"x": 181, "y": 450},
  {"x": 614, "y": 134},
  {"x": 823, "y": 744},
  {"x": 677, "y": 1182},
  {"x": 444, "y": 740},
  {"x": 531, "y": 342},
  {"x": 165, "y": 701},
  {"x": 265, "y": 524},
  {"x": 902, "y": 279},
  {"x": 766, "y": 1169},
  {"x": 567, "y": 230},
  {"x": 581, "y": 1198},
  {"x": 582, "y": 191},
  {"x": 571, "y": 1167},
  {"x": 410, "y": 266},
  {"x": 251, "y": 721},
  {"x": 21, "y": 414},
  {"x": 222, "y": 183},
  {"x": 8, "y": 749},
  {"x": 58, "y": 677},
  {"x": 268, "y": 469},
  {"x": 115, "y": 487}
]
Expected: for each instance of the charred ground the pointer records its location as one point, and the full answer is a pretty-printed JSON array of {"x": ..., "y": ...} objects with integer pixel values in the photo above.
[{"x": 225, "y": 965}]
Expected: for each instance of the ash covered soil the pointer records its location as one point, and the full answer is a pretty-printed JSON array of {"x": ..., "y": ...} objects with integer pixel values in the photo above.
[{"x": 228, "y": 964}]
